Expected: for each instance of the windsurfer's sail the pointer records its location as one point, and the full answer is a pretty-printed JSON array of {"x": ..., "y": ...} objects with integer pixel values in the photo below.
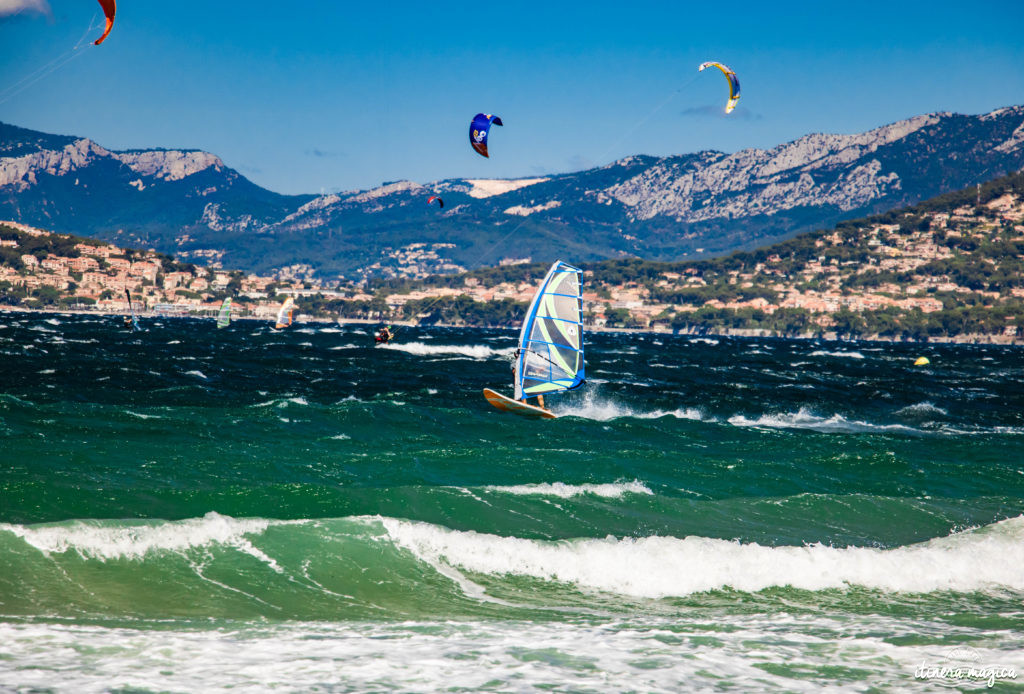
[
  {"x": 224, "y": 317},
  {"x": 284, "y": 316},
  {"x": 550, "y": 356}
]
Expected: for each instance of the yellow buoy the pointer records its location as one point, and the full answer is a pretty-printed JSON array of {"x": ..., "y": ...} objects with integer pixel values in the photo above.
[{"x": 921, "y": 361}]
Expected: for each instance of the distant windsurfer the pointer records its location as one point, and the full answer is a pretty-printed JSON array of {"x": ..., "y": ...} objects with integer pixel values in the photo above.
[
  {"x": 128, "y": 322},
  {"x": 384, "y": 336}
]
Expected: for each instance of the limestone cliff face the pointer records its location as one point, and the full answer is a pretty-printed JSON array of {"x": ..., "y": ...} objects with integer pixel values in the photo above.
[
  {"x": 814, "y": 170},
  {"x": 23, "y": 172},
  {"x": 169, "y": 165}
]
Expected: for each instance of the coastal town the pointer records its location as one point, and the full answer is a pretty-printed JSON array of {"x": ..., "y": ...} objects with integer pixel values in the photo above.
[
  {"x": 83, "y": 274},
  {"x": 918, "y": 263},
  {"x": 951, "y": 266}
]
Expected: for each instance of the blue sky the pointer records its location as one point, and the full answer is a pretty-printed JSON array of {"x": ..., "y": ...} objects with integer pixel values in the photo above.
[{"x": 308, "y": 96}]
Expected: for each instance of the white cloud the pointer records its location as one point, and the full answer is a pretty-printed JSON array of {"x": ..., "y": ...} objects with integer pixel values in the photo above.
[{"x": 10, "y": 8}]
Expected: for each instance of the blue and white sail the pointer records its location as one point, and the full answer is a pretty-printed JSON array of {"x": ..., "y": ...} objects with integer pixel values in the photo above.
[{"x": 550, "y": 356}]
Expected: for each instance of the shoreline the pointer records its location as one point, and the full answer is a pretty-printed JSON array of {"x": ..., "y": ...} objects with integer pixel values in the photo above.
[{"x": 966, "y": 339}]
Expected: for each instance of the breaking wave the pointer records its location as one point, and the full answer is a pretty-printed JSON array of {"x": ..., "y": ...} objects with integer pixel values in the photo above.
[{"x": 657, "y": 567}]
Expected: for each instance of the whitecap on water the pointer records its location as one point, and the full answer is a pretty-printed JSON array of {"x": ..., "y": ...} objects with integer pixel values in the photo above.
[
  {"x": 600, "y": 409},
  {"x": 846, "y": 355},
  {"x": 610, "y": 490},
  {"x": 921, "y": 409},
  {"x": 471, "y": 351},
  {"x": 805, "y": 419}
]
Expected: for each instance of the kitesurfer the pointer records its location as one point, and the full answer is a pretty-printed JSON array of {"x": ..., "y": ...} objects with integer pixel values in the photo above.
[{"x": 384, "y": 336}]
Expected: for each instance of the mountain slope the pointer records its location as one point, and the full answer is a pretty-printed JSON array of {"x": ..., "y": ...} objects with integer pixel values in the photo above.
[
  {"x": 664, "y": 208},
  {"x": 75, "y": 185}
]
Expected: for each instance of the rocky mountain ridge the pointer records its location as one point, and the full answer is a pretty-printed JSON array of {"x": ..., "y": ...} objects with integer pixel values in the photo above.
[{"x": 666, "y": 208}]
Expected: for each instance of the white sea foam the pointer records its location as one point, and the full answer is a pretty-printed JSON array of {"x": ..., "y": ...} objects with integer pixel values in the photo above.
[
  {"x": 991, "y": 558},
  {"x": 602, "y": 410},
  {"x": 847, "y": 355},
  {"x": 613, "y": 490},
  {"x": 805, "y": 419},
  {"x": 637, "y": 654},
  {"x": 471, "y": 351},
  {"x": 196, "y": 373}
]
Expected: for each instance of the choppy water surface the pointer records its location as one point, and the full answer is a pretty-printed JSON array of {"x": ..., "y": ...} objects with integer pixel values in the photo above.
[{"x": 190, "y": 509}]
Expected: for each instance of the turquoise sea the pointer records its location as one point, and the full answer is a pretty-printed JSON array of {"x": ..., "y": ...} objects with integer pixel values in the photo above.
[{"x": 188, "y": 509}]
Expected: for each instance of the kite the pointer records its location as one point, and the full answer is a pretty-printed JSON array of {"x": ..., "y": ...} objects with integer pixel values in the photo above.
[
  {"x": 478, "y": 130},
  {"x": 109, "y": 8},
  {"x": 432, "y": 198},
  {"x": 734, "y": 83}
]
